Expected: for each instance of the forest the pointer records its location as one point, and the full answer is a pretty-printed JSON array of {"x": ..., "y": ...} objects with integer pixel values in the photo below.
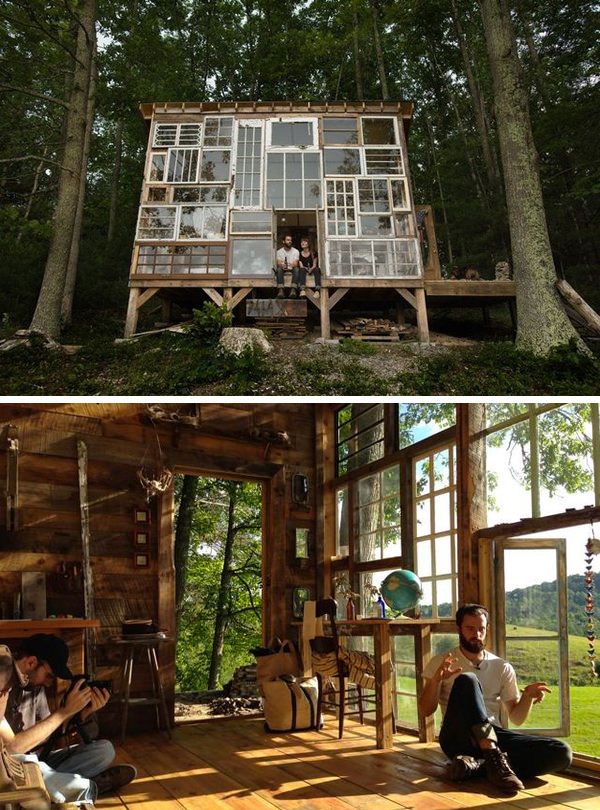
[{"x": 505, "y": 149}]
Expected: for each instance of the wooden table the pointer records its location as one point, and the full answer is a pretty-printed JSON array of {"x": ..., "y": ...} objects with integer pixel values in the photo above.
[
  {"x": 382, "y": 631},
  {"x": 71, "y": 630}
]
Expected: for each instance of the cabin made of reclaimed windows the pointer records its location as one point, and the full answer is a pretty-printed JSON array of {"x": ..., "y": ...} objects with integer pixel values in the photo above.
[{"x": 224, "y": 182}]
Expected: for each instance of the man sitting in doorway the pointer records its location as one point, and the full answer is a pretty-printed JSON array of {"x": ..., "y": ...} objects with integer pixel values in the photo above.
[
  {"x": 29, "y": 723},
  {"x": 478, "y": 694},
  {"x": 287, "y": 258}
]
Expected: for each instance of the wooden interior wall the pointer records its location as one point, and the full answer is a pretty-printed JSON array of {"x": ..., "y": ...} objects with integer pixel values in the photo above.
[{"x": 48, "y": 530}]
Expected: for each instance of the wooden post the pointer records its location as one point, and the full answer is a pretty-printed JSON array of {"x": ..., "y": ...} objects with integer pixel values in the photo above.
[
  {"x": 12, "y": 478},
  {"x": 132, "y": 312},
  {"x": 400, "y": 316},
  {"x": 166, "y": 310},
  {"x": 422, "y": 655},
  {"x": 166, "y": 593},
  {"x": 572, "y": 297},
  {"x": 86, "y": 567},
  {"x": 325, "y": 323},
  {"x": 422, "y": 325},
  {"x": 383, "y": 685}
]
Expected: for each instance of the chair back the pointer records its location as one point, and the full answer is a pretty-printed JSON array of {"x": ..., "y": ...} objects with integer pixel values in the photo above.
[{"x": 326, "y": 608}]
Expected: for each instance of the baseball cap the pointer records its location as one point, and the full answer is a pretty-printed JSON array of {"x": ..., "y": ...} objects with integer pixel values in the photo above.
[{"x": 50, "y": 649}]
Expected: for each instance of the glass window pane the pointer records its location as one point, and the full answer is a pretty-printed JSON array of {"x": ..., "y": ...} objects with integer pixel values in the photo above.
[
  {"x": 214, "y": 194},
  {"x": 292, "y": 133},
  {"x": 342, "y": 522},
  {"x": 157, "y": 222},
  {"x": 215, "y": 165},
  {"x": 442, "y": 512},
  {"x": 404, "y": 224},
  {"x": 508, "y": 470},
  {"x": 375, "y": 226},
  {"x": 399, "y": 194},
  {"x": 444, "y": 600},
  {"x": 384, "y": 161},
  {"x": 214, "y": 222},
  {"x": 423, "y": 509},
  {"x": 422, "y": 473},
  {"x": 275, "y": 193},
  {"x": 342, "y": 161},
  {"x": 424, "y": 560},
  {"x": 441, "y": 469},
  {"x": 165, "y": 135},
  {"x": 191, "y": 222},
  {"x": 156, "y": 194},
  {"x": 251, "y": 222},
  {"x": 378, "y": 130},
  {"x": 339, "y": 130},
  {"x": 293, "y": 167},
  {"x": 252, "y": 257},
  {"x": 419, "y": 421},
  {"x": 443, "y": 555}
]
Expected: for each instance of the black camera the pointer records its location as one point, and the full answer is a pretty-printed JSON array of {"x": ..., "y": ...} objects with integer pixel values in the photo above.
[{"x": 89, "y": 682}]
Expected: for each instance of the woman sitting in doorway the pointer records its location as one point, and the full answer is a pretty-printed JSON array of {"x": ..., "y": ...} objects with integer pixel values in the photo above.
[{"x": 309, "y": 263}]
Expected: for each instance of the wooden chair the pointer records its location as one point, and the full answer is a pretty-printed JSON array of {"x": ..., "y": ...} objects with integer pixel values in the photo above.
[
  {"x": 327, "y": 664},
  {"x": 21, "y": 784}
]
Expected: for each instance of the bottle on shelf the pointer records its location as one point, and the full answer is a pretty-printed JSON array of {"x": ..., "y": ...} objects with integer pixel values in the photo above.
[{"x": 350, "y": 609}]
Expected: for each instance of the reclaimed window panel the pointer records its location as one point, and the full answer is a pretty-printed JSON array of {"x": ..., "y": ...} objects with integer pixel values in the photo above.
[
  {"x": 341, "y": 522},
  {"x": 251, "y": 222},
  {"x": 373, "y": 195},
  {"x": 375, "y": 226},
  {"x": 341, "y": 210},
  {"x": 214, "y": 194},
  {"x": 177, "y": 135},
  {"x": 202, "y": 222},
  {"x": 339, "y": 130},
  {"x": 384, "y": 161},
  {"x": 341, "y": 161},
  {"x": 292, "y": 133},
  {"x": 186, "y": 194},
  {"x": 156, "y": 170},
  {"x": 380, "y": 131},
  {"x": 248, "y": 168},
  {"x": 252, "y": 257},
  {"x": 217, "y": 131},
  {"x": 293, "y": 180},
  {"x": 183, "y": 166},
  {"x": 189, "y": 135},
  {"x": 404, "y": 224},
  {"x": 419, "y": 421},
  {"x": 406, "y": 260},
  {"x": 216, "y": 165},
  {"x": 165, "y": 135},
  {"x": 156, "y": 194},
  {"x": 379, "y": 534},
  {"x": 157, "y": 222},
  {"x": 359, "y": 434},
  {"x": 395, "y": 258},
  {"x": 181, "y": 259},
  {"x": 400, "y": 197}
]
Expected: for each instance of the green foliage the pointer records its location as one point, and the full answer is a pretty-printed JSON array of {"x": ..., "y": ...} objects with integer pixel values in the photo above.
[
  {"x": 357, "y": 348},
  {"x": 209, "y": 322}
]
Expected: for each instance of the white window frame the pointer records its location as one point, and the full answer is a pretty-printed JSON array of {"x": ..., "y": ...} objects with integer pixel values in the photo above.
[
  {"x": 202, "y": 237},
  {"x": 157, "y": 238},
  {"x": 361, "y": 161},
  {"x": 301, "y": 180},
  {"x": 400, "y": 179},
  {"x": 285, "y": 120},
  {"x": 345, "y": 179},
  {"x": 396, "y": 148},
  {"x": 267, "y": 232},
  {"x": 355, "y": 118},
  {"x": 373, "y": 236},
  {"x": 248, "y": 124},
  {"x": 219, "y": 118},
  {"x": 381, "y": 118},
  {"x": 370, "y": 178},
  {"x": 190, "y": 181},
  {"x": 373, "y": 240},
  {"x": 178, "y": 129},
  {"x": 151, "y": 153}
]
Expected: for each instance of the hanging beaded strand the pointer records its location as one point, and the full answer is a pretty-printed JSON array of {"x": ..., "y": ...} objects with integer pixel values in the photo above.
[{"x": 592, "y": 547}]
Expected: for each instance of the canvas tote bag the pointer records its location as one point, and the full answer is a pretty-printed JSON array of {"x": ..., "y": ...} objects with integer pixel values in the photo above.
[
  {"x": 283, "y": 662},
  {"x": 290, "y": 704}
]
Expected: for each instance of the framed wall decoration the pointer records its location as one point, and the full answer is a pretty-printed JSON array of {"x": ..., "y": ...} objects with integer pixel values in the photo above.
[
  {"x": 141, "y": 559},
  {"x": 141, "y": 538},
  {"x": 141, "y": 515}
]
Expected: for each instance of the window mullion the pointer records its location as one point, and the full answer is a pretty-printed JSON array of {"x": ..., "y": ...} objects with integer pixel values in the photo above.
[{"x": 535, "y": 462}]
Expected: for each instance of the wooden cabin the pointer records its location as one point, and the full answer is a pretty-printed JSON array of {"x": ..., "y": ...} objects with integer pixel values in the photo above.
[
  {"x": 224, "y": 182},
  {"x": 424, "y": 473}
]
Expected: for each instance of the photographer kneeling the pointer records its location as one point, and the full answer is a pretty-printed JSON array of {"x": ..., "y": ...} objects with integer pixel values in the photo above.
[{"x": 40, "y": 660}]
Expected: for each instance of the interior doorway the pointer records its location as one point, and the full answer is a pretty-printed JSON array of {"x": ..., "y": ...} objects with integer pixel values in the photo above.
[
  {"x": 218, "y": 543},
  {"x": 299, "y": 224}
]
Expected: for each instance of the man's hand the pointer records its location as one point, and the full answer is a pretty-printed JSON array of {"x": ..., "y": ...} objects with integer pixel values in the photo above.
[
  {"x": 447, "y": 669},
  {"x": 536, "y": 692},
  {"x": 77, "y": 699},
  {"x": 100, "y": 698}
]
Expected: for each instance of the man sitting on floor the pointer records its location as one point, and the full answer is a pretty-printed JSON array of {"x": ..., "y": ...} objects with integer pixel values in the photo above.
[
  {"x": 29, "y": 723},
  {"x": 287, "y": 258},
  {"x": 478, "y": 694}
]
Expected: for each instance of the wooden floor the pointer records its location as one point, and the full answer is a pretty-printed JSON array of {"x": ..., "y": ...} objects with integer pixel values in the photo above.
[{"x": 234, "y": 764}]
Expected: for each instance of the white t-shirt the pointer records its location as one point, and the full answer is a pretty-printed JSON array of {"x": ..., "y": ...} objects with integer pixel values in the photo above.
[
  {"x": 496, "y": 676},
  {"x": 292, "y": 256}
]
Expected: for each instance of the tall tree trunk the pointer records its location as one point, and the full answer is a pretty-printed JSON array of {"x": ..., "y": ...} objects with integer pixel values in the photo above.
[
  {"x": 542, "y": 322},
  {"x": 67, "y": 302},
  {"x": 360, "y": 92},
  {"x": 183, "y": 533},
  {"x": 34, "y": 187},
  {"x": 478, "y": 104},
  {"x": 221, "y": 614},
  {"x": 114, "y": 186},
  {"x": 379, "y": 51},
  {"x": 441, "y": 190},
  {"x": 538, "y": 71},
  {"x": 47, "y": 315}
]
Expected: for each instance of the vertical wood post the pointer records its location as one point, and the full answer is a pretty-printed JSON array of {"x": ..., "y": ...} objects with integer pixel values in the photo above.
[
  {"x": 86, "y": 566},
  {"x": 422, "y": 324},
  {"x": 132, "y": 312},
  {"x": 166, "y": 308},
  {"x": 166, "y": 594},
  {"x": 383, "y": 685},
  {"x": 12, "y": 478},
  {"x": 325, "y": 323},
  {"x": 422, "y": 655}
]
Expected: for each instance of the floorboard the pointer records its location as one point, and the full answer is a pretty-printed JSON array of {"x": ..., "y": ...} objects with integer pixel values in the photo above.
[{"x": 235, "y": 765}]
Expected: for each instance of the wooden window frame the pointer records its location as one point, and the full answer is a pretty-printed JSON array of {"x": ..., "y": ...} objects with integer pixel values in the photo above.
[
  {"x": 210, "y": 246},
  {"x": 353, "y": 118},
  {"x": 247, "y": 124},
  {"x": 219, "y": 119},
  {"x": 302, "y": 180},
  {"x": 393, "y": 118},
  {"x": 344, "y": 209},
  {"x": 292, "y": 120},
  {"x": 190, "y": 180}
]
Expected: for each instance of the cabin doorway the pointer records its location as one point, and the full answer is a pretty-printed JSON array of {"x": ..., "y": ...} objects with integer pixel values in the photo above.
[
  {"x": 299, "y": 224},
  {"x": 218, "y": 542}
]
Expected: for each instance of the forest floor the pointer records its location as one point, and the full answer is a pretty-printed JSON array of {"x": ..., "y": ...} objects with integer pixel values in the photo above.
[{"x": 452, "y": 364}]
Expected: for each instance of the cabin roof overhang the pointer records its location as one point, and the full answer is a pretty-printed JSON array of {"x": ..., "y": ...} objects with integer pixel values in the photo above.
[{"x": 403, "y": 108}]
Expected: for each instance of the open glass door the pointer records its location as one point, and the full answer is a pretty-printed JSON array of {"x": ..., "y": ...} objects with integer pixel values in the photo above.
[{"x": 531, "y": 624}]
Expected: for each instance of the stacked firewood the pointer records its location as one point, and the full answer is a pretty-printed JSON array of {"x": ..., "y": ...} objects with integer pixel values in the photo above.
[
  {"x": 229, "y": 705},
  {"x": 243, "y": 684},
  {"x": 289, "y": 328},
  {"x": 370, "y": 329}
]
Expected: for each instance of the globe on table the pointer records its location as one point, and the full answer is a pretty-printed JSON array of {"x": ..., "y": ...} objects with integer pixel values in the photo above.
[{"x": 401, "y": 590}]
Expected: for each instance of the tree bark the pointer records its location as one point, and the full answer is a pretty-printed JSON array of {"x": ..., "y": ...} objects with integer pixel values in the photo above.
[
  {"x": 183, "y": 533},
  {"x": 360, "y": 92},
  {"x": 114, "y": 186},
  {"x": 221, "y": 611},
  {"x": 47, "y": 316},
  {"x": 34, "y": 187},
  {"x": 542, "y": 323},
  {"x": 67, "y": 302},
  {"x": 478, "y": 104},
  {"x": 379, "y": 52}
]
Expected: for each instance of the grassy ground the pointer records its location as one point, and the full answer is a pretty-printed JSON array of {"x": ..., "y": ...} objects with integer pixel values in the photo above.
[{"x": 176, "y": 364}]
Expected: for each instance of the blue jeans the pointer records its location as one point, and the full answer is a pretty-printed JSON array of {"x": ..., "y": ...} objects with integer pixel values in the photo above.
[
  {"x": 298, "y": 276},
  {"x": 466, "y": 720},
  {"x": 86, "y": 760},
  {"x": 64, "y": 788}
]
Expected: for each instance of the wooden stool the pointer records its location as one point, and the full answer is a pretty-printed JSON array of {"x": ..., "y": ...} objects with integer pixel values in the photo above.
[{"x": 129, "y": 645}]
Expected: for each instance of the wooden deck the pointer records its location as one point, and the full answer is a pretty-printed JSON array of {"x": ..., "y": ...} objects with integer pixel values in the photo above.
[{"x": 234, "y": 764}]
